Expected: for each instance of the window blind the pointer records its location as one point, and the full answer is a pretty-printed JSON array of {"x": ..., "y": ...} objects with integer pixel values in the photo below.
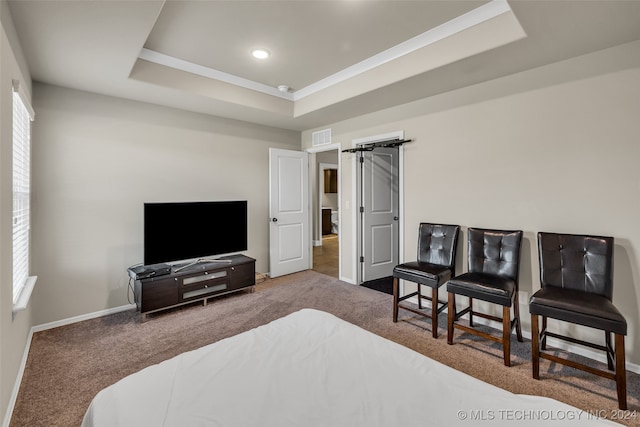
[{"x": 21, "y": 191}]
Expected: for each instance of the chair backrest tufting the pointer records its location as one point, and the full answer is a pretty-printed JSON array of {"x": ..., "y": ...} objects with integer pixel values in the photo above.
[
  {"x": 578, "y": 262},
  {"x": 495, "y": 252},
  {"x": 437, "y": 244}
]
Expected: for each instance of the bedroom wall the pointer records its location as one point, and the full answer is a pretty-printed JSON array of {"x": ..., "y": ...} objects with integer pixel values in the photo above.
[
  {"x": 551, "y": 149},
  {"x": 13, "y": 330},
  {"x": 97, "y": 159}
]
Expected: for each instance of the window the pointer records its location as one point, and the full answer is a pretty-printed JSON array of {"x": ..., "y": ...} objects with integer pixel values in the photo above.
[{"x": 22, "y": 116}]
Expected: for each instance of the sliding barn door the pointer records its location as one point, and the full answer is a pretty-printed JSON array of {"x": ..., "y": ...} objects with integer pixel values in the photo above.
[{"x": 379, "y": 213}]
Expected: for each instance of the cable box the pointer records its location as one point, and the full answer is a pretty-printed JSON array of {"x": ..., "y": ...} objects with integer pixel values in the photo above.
[{"x": 147, "y": 271}]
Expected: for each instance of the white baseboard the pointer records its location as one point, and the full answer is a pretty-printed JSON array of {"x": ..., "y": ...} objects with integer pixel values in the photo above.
[
  {"x": 82, "y": 317},
  {"x": 560, "y": 344},
  {"x": 348, "y": 280},
  {"x": 16, "y": 385},
  {"x": 44, "y": 327}
]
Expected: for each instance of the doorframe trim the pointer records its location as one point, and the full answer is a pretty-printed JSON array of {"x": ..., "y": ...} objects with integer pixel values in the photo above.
[{"x": 354, "y": 189}]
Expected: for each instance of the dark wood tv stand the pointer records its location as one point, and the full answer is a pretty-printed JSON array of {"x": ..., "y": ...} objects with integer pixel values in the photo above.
[{"x": 198, "y": 282}]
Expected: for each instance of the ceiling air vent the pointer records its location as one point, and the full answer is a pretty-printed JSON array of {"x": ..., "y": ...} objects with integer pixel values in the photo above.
[{"x": 321, "y": 137}]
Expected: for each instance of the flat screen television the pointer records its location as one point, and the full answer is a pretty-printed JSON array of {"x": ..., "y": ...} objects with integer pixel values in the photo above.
[{"x": 191, "y": 230}]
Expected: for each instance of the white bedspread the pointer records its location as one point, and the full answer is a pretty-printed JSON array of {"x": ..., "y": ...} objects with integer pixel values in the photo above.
[{"x": 312, "y": 369}]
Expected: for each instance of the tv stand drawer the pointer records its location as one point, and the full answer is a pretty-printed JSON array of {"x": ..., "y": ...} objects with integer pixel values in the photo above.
[
  {"x": 202, "y": 291},
  {"x": 204, "y": 277}
]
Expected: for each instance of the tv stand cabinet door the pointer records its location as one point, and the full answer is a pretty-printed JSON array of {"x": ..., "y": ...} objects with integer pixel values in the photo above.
[
  {"x": 242, "y": 275},
  {"x": 157, "y": 294}
]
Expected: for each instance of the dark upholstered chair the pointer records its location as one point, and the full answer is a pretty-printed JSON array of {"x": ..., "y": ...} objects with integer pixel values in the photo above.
[
  {"x": 435, "y": 265},
  {"x": 576, "y": 277},
  {"x": 493, "y": 264}
]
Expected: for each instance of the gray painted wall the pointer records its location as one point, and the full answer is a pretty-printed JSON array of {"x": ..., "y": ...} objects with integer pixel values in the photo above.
[
  {"x": 552, "y": 149},
  {"x": 97, "y": 159}
]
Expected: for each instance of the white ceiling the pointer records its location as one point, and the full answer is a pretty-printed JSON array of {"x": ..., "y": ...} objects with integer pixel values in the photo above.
[
  {"x": 340, "y": 58},
  {"x": 309, "y": 40}
]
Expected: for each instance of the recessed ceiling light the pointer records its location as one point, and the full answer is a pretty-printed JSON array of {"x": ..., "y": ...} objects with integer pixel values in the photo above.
[{"x": 260, "y": 53}]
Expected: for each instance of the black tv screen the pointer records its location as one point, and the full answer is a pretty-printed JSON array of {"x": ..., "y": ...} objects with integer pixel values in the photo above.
[{"x": 191, "y": 230}]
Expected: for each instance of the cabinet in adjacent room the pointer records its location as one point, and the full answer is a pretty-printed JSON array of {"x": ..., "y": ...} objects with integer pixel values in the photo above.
[
  {"x": 326, "y": 221},
  {"x": 331, "y": 180}
]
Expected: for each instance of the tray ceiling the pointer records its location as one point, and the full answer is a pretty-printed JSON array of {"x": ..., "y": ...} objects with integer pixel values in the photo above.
[{"x": 339, "y": 59}]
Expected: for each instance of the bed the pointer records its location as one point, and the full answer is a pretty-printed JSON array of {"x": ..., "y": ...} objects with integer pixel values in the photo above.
[{"x": 308, "y": 369}]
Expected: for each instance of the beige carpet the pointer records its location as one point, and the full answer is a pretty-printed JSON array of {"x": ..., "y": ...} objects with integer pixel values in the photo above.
[{"x": 67, "y": 366}]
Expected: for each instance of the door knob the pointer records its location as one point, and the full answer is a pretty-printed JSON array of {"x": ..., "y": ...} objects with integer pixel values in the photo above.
[
  {"x": 274, "y": 219},
  {"x": 395, "y": 218}
]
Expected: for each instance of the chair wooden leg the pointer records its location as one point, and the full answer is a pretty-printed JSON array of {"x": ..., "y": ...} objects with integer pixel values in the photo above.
[
  {"x": 471, "y": 312},
  {"x": 621, "y": 372},
  {"x": 535, "y": 347},
  {"x": 506, "y": 334},
  {"x": 451, "y": 315},
  {"x": 516, "y": 316},
  {"x": 395, "y": 299},
  {"x": 434, "y": 312},
  {"x": 544, "y": 329},
  {"x": 607, "y": 339},
  {"x": 419, "y": 296}
]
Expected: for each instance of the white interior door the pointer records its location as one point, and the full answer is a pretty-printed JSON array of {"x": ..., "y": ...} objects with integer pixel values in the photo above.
[
  {"x": 379, "y": 210},
  {"x": 289, "y": 248}
]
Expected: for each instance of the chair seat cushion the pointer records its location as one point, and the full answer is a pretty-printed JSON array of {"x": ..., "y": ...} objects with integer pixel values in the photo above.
[
  {"x": 569, "y": 305},
  {"x": 425, "y": 273},
  {"x": 486, "y": 287}
]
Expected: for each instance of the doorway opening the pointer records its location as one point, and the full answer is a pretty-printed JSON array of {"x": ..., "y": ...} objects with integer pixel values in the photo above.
[{"x": 324, "y": 170}]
